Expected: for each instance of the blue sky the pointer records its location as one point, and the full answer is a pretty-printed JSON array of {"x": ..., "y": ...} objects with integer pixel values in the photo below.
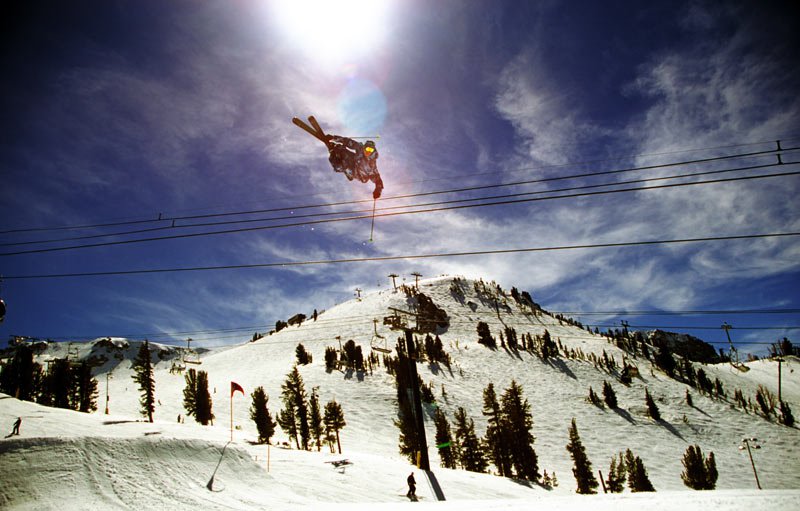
[{"x": 119, "y": 112}]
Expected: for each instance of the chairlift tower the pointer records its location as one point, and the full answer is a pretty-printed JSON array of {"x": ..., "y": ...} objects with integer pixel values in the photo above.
[{"x": 416, "y": 275}]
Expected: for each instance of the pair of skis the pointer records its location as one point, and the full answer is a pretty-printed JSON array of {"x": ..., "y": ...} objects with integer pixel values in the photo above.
[{"x": 316, "y": 131}]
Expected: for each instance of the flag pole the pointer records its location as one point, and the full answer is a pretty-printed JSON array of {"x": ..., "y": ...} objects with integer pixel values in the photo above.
[{"x": 231, "y": 416}]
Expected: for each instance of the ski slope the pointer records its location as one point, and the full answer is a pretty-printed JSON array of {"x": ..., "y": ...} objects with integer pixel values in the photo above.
[{"x": 69, "y": 460}]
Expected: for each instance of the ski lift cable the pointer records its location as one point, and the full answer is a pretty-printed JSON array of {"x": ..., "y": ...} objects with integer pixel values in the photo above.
[
  {"x": 390, "y": 208},
  {"x": 504, "y": 202},
  {"x": 162, "y": 218},
  {"x": 287, "y": 264}
]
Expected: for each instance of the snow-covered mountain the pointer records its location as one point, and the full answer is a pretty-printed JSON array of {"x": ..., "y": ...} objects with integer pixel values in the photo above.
[{"x": 115, "y": 461}]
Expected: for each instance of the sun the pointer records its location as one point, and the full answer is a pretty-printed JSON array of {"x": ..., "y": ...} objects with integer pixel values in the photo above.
[{"x": 333, "y": 31}]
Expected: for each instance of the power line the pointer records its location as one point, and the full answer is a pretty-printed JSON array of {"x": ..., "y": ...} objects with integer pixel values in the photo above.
[
  {"x": 287, "y": 264},
  {"x": 508, "y": 201},
  {"x": 330, "y": 204}
]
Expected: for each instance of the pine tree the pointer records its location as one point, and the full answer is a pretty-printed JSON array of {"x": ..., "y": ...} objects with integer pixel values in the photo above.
[
  {"x": 444, "y": 440},
  {"x": 86, "y": 388},
  {"x": 259, "y": 413},
  {"x": 203, "y": 413},
  {"x": 190, "y": 392},
  {"x": 638, "y": 481},
  {"x": 498, "y": 448},
  {"x": 519, "y": 423},
  {"x": 17, "y": 375},
  {"x": 470, "y": 452},
  {"x": 609, "y": 396},
  {"x": 616, "y": 475},
  {"x": 689, "y": 398},
  {"x": 699, "y": 473},
  {"x": 334, "y": 422},
  {"x": 315, "y": 420},
  {"x": 293, "y": 396},
  {"x": 303, "y": 357},
  {"x": 409, "y": 440},
  {"x": 652, "y": 407},
  {"x": 288, "y": 422},
  {"x": 143, "y": 375},
  {"x": 59, "y": 383},
  {"x": 594, "y": 398},
  {"x": 582, "y": 466},
  {"x": 485, "y": 335}
]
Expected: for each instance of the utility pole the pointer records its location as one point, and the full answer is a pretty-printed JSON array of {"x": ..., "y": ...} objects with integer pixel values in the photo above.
[
  {"x": 108, "y": 375},
  {"x": 417, "y": 275},
  {"x": 423, "y": 461},
  {"x": 780, "y": 361},
  {"x": 394, "y": 284},
  {"x": 752, "y": 463}
]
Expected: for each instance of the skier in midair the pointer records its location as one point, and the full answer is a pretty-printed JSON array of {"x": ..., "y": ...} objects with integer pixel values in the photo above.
[
  {"x": 355, "y": 160},
  {"x": 352, "y": 158}
]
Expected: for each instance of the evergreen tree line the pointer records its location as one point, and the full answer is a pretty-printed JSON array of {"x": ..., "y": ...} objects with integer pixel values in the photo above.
[
  {"x": 301, "y": 417},
  {"x": 508, "y": 443},
  {"x": 64, "y": 384}
]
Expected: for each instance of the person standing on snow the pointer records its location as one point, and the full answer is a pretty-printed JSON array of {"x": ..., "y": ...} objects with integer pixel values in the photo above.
[
  {"x": 355, "y": 160},
  {"x": 17, "y": 423},
  {"x": 412, "y": 487}
]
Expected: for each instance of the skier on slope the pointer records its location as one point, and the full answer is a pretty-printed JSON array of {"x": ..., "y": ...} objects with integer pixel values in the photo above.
[
  {"x": 412, "y": 487},
  {"x": 355, "y": 160}
]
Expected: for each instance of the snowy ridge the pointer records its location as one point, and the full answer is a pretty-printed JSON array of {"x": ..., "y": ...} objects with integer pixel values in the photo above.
[{"x": 556, "y": 389}]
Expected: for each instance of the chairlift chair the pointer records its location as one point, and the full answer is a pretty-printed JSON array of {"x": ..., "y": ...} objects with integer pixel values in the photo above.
[{"x": 378, "y": 342}]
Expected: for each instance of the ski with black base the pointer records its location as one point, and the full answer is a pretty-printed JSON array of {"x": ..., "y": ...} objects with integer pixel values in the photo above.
[{"x": 315, "y": 131}]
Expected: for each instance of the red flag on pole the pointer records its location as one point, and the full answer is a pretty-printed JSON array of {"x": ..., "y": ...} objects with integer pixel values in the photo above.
[{"x": 236, "y": 387}]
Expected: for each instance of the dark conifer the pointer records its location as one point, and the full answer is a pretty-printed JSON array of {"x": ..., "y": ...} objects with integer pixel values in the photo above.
[
  {"x": 190, "y": 392},
  {"x": 609, "y": 396},
  {"x": 652, "y": 407},
  {"x": 293, "y": 395},
  {"x": 86, "y": 387},
  {"x": 616, "y": 475},
  {"x": 259, "y": 413},
  {"x": 143, "y": 375},
  {"x": 203, "y": 413},
  {"x": 470, "y": 451},
  {"x": 334, "y": 422},
  {"x": 485, "y": 335},
  {"x": 582, "y": 469},
  {"x": 638, "y": 481},
  {"x": 288, "y": 422},
  {"x": 594, "y": 398},
  {"x": 497, "y": 435},
  {"x": 444, "y": 440},
  {"x": 59, "y": 383},
  {"x": 17, "y": 375},
  {"x": 518, "y": 422},
  {"x": 689, "y": 398},
  {"x": 303, "y": 357},
  {"x": 699, "y": 473},
  {"x": 315, "y": 419}
]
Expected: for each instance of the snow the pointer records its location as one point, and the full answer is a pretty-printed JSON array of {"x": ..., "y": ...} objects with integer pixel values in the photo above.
[{"x": 69, "y": 460}]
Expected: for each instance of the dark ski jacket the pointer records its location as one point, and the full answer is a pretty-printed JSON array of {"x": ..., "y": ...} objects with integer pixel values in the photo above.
[{"x": 347, "y": 156}]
